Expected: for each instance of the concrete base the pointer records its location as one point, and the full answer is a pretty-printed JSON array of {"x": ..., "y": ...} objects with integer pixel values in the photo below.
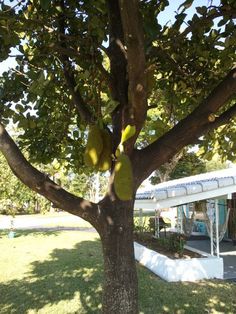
[{"x": 179, "y": 269}]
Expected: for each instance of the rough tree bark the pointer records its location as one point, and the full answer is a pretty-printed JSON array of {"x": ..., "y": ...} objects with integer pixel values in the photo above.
[{"x": 120, "y": 286}]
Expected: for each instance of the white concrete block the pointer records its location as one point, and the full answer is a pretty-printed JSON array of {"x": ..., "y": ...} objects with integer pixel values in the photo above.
[{"x": 179, "y": 269}]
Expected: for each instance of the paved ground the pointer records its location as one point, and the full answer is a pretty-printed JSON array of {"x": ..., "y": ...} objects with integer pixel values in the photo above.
[
  {"x": 29, "y": 222},
  {"x": 227, "y": 252}
]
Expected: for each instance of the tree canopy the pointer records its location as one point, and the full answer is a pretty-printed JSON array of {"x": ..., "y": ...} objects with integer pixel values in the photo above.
[
  {"x": 112, "y": 65},
  {"x": 68, "y": 68}
]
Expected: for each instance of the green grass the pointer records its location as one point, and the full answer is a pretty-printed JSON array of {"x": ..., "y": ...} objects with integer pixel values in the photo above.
[{"x": 61, "y": 273}]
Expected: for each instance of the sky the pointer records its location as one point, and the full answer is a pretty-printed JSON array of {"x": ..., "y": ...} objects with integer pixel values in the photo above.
[
  {"x": 169, "y": 13},
  {"x": 167, "y": 16}
]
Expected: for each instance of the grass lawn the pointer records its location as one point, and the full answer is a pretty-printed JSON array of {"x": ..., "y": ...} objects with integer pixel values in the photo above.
[{"x": 61, "y": 272}]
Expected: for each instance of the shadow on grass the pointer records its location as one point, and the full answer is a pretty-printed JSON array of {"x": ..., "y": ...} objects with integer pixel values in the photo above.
[
  {"x": 70, "y": 282},
  {"x": 159, "y": 297},
  {"x": 69, "y": 274}
]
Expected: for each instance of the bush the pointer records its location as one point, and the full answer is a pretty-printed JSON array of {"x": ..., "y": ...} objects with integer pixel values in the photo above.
[
  {"x": 162, "y": 224},
  {"x": 141, "y": 228},
  {"x": 174, "y": 242}
]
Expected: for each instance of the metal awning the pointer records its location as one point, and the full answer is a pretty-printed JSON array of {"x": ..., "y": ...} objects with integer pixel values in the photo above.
[{"x": 187, "y": 190}]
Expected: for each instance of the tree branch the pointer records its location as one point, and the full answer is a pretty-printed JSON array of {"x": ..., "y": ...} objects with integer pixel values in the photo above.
[
  {"x": 118, "y": 64},
  {"x": 74, "y": 53},
  {"x": 134, "y": 39},
  {"x": 187, "y": 130},
  {"x": 41, "y": 184},
  {"x": 79, "y": 103},
  {"x": 224, "y": 118}
]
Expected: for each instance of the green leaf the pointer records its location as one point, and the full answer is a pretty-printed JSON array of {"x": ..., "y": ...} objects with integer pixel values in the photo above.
[
  {"x": 45, "y": 4},
  {"x": 201, "y": 10},
  {"x": 222, "y": 22},
  {"x": 187, "y": 4}
]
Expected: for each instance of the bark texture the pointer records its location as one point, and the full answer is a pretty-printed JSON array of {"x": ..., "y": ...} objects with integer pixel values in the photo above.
[{"x": 120, "y": 287}]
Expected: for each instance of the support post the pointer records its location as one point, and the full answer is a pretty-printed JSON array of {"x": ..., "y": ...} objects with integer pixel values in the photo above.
[
  {"x": 157, "y": 224},
  {"x": 211, "y": 229},
  {"x": 217, "y": 228},
  {"x": 183, "y": 211}
]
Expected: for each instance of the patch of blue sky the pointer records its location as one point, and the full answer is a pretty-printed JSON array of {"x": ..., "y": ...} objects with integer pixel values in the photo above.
[{"x": 166, "y": 17}]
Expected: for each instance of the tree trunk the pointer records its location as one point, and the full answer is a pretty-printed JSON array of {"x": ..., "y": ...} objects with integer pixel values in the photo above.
[{"x": 120, "y": 294}]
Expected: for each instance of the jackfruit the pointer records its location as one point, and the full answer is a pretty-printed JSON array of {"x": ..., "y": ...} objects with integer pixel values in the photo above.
[
  {"x": 104, "y": 163},
  {"x": 94, "y": 146},
  {"x": 128, "y": 132},
  {"x": 123, "y": 179}
]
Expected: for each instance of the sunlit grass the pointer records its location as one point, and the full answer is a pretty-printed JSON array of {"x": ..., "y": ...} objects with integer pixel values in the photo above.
[
  {"x": 61, "y": 273},
  {"x": 55, "y": 272}
]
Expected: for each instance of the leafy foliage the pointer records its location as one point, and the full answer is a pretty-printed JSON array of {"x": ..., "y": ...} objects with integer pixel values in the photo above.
[
  {"x": 15, "y": 197},
  {"x": 185, "y": 63}
]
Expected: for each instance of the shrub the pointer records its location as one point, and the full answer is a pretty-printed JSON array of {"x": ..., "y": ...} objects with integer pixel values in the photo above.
[
  {"x": 174, "y": 242},
  {"x": 162, "y": 224}
]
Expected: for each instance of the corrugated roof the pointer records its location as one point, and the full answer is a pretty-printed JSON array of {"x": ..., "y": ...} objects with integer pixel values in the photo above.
[{"x": 193, "y": 188}]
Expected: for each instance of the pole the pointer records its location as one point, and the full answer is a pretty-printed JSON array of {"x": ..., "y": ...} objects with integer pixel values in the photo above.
[
  {"x": 157, "y": 224},
  {"x": 211, "y": 228},
  {"x": 183, "y": 212},
  {"x": 217, "y": 228}
]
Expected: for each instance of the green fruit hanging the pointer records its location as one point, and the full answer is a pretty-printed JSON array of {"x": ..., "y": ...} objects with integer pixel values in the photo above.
[
  {"x": 104, "y": 163},
  {"x": 94, "y": 146},
  {"x": 123, "y": 180},
  {"x": 128, "y": 132}
]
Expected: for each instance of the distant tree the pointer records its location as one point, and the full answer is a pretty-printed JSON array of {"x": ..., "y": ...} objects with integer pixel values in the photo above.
[
  {"x": 216, "y": 163},
  {"x": 188, "y": 165},
  {"x": 15, "y": 197},
  {"x": 182, "y": 165}
]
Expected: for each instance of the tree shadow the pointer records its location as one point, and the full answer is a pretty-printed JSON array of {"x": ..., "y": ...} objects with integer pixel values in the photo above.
[
  {"x": 74, "y": 276},
  {"x": 69, "y": 274},
  {"x": 208, "y": 296}
]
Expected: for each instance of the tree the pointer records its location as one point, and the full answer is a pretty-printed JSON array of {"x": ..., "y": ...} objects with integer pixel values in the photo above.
[
  {"x": 103, "y": 63},
  {"x": 183, "y": 165},
  {"x": 216, "y": 163},
  {"x": 15, "y": 197}
]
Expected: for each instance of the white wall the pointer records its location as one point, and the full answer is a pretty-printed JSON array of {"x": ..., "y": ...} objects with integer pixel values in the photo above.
[{"x": 179, "y": 269}]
